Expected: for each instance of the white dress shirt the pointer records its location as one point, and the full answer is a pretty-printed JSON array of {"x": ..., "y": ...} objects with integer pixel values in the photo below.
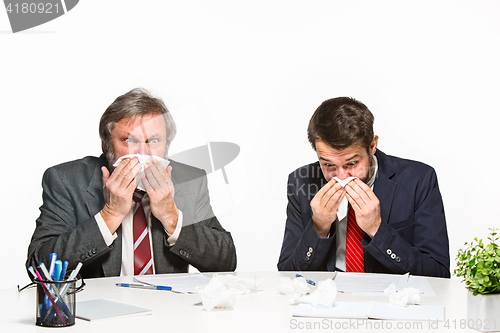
[
  {"x": 341, "y": 226},
  {"x": 128, "y": 235}
]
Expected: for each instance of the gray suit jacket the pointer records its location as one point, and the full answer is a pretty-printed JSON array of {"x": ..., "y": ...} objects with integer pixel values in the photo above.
[{"x": 72, "y": 196}]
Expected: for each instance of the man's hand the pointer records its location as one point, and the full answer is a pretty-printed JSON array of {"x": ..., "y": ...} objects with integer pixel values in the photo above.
[
  {"x": 324, "y": 206},
  {"x": 158, "y": 185},
  {"x": 366, "y": 206},
  {"x": 118, "y": 190}
]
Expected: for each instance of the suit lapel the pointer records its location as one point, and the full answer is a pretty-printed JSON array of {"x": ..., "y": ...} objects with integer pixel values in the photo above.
[
  {"x": 384, "y": 188},
  {"x": 178, "y": 179},
  {"x": 175, "y": 177}
]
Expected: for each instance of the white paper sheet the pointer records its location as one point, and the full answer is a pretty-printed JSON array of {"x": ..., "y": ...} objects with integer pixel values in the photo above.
[
  {"x": 350, "y": 310},
  {"x": 373, "y": 310},
  {"x": 179, "y": 284},
  {"x": 362, "y": 283},
  {"x": 379, "y": 310},
  {"x": 373, "y": 284},
  {"x": 420, "y": 282},
  {"x": 105, "y": 308}
]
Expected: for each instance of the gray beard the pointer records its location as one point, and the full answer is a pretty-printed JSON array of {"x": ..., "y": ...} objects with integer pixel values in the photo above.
[{"x": 110, "y": 156}]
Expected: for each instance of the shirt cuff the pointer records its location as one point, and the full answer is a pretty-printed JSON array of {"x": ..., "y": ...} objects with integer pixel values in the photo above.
[
  {"x": 173, "y": 237},
  {"x": 106, "y": 234}
]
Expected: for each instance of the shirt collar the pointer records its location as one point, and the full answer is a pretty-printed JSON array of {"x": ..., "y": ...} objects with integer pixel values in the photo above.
[{"x": 375, "y": 166}]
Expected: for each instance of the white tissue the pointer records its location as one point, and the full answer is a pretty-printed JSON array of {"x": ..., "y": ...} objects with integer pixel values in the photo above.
[
  {"x": 143, "y": 160},
  {"x": 344, "y": 182},
  {"x": 407, "y": 296},
  {"x": 296, "y": 288},
  {"x": 241, "y": 285},
  {"x": 324, "y": 296},
  {"x": 216, "y": 295},
  {"x": 221, "y": 290}
]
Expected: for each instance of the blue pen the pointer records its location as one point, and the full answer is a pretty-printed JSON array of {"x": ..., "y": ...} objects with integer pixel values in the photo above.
[
  {"x": 56, "y": 275},
  {"x": 63, "y": 271},
  {"x": 311, "y": 282},
  {"x": 140, "y": 286}
]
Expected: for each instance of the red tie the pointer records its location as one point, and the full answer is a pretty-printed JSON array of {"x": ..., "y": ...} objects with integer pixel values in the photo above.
[
  {"x": 143, "y": 263},
  {"x": 354, "y": 256}
]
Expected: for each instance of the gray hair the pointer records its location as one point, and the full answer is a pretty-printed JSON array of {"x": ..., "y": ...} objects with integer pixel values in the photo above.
[{"x": 137, "y": 102}]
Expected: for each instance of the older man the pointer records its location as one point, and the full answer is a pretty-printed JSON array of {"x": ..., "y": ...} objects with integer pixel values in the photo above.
[
  {"x": 358, "y": 209},
  {"x": 93, "y": 211}
]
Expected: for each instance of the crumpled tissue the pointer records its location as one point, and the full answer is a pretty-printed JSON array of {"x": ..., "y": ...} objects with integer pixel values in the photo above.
[
  {"x": 221, "y": 290},
  {"x": 324, "y": 295},
  {"x": 296, "y": 288},
  {"x": 344, "y": 182},
  {"x": 143, "y": 160},
  {"x": 407, "y": 296}
]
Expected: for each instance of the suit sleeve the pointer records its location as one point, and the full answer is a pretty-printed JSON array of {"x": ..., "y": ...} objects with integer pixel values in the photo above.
[
  {"x": 57, "y": 229},
  {"x": 428, "y": 254},
  {"x": 302, "y": 247},
  {"x": 204, "y": 243}
]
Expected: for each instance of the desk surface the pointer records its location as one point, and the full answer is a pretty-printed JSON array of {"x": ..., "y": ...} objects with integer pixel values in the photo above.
[{"x": 264, "y": 310}]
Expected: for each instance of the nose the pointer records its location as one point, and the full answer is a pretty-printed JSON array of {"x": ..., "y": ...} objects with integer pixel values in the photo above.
[
  {"x": 343, "y": 173},
  {"x": 142, "y": 148}
]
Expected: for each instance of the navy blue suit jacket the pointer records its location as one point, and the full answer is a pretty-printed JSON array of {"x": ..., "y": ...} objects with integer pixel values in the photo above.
[{"x": 412, "y": 236}]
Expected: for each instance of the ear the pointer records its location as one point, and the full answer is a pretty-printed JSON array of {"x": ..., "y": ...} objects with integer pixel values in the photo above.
[
  {"x": 373, "y": 145},
  {"x": 104, "y": 147}
]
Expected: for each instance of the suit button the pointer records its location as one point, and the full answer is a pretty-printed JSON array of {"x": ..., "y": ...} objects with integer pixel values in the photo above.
[
  {"x": 94, "y": 250},
  {"x": 389, "y": 251},
  {"x": 308, "y": 254},
  {"x": 398, "y": 259},
  {"x": 82, "y": 257},
  {"x": 393, "y": 256},
  {"x": 310, "y": 249}
]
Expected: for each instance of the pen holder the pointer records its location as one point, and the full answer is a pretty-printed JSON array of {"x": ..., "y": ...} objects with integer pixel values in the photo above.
[{"x": 55, "y": 303}]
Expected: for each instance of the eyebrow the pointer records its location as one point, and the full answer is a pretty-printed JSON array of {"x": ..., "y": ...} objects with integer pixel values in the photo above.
[
  {"x": 347, "y": 160},
  {"x": 150, "y": 137},
  {"x": 352, "y": 157}
]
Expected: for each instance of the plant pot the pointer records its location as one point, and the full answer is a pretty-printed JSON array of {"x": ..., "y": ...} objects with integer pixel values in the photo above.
[{"x": 483, "y": 312}]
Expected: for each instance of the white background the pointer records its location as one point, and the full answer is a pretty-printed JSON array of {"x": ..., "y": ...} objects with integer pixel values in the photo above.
[{"x": 253, "y": 73}]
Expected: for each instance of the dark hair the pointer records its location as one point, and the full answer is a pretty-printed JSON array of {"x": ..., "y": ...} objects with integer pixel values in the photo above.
[
  {"x": 137, "y": 102},
  {"x": 341, "y": 122}
]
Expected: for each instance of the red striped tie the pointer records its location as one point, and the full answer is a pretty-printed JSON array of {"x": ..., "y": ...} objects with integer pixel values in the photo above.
[
  {"x": 355, "y": 261},
  {"x": 143, "y": 262}
]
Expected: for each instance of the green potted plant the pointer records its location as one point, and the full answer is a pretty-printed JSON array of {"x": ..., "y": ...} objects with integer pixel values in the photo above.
[{"x": 479, "y": 266}]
